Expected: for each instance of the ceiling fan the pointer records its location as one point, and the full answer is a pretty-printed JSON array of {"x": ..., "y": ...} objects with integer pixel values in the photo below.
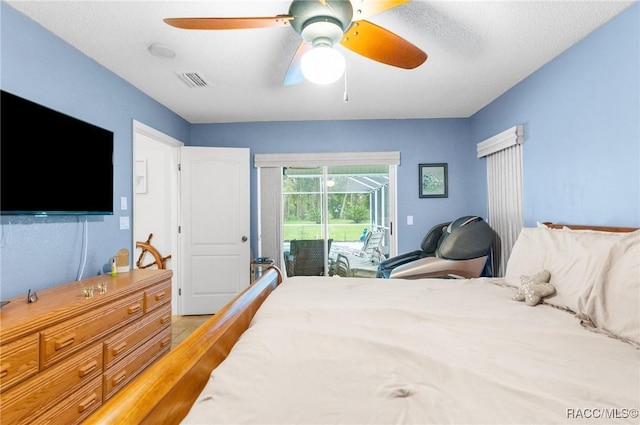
[{"x": 322, "y": 24}]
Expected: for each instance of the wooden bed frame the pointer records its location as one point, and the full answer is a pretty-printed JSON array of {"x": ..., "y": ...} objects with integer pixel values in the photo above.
[
  {"x": 165, "y": 392},
  {"x": 598, "y": 228}
]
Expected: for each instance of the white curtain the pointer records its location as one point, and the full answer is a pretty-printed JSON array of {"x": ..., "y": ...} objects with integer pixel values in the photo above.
[
  {"x": 504, "y": 178},
  {"x": 270, "y": 214}
]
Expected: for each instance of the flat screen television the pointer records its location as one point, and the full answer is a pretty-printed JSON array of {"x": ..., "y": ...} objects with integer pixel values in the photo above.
[{"x": 52, "y": 163}]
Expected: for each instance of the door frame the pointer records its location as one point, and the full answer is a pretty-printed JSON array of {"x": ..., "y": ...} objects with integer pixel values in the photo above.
[
  {"x": 140, "y": 129},
  {"x": 270, "y": 184}
]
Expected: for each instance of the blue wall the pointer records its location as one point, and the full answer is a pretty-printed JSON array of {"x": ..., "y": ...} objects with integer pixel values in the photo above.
[
  {"x": 582, "y": 144},
  {"x": 581, "y": 114},
  {"x": 418, "y": 141},
  {"x": 36, "y": 253}
]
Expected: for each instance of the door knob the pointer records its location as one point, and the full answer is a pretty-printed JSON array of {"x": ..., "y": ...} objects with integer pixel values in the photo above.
[{"x": 244, "y": 239}]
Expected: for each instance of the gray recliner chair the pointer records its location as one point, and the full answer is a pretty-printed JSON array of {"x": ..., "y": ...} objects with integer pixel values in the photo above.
[{"x": 457, "y": 249}]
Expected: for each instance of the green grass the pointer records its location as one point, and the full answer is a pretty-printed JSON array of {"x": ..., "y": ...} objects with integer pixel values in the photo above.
[{"x": 338, "y": 231}]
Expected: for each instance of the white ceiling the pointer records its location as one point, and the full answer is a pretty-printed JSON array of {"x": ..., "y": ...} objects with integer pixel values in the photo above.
[{"x": 477, "y": 51}]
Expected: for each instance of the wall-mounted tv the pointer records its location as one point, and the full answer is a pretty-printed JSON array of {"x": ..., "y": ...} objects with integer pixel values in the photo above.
[{"x": 52, "y": 163}]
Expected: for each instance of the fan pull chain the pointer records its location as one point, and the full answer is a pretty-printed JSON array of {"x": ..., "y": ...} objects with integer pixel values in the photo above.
[{"x": 346, "y": 95}]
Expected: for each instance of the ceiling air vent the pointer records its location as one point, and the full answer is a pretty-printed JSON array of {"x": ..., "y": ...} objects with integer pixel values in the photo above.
[{"x": 193, "y": 79}]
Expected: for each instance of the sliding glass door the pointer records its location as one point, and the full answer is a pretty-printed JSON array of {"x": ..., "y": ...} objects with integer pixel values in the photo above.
[{"x": 336, "y": 219}]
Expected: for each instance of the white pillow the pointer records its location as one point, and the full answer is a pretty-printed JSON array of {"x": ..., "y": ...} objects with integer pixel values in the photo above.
[
  {"x": 614, "y": 302},
  {"x": 575, "y": 260}
]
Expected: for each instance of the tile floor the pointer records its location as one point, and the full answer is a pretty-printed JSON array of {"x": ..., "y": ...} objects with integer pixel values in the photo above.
[{"x": 182, "y": 326}]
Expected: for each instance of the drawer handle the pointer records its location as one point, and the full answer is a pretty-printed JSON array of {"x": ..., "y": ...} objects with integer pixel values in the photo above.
[
  {"x": 87, "y": 402},
  {"x": 165, "y": 319},
  {"x": 87, "y": 369},
  {"x": 119, "y": 378},
  {"x": 5, "y": 370},
  {"x": 119, "y": 348},
  {"x": 64, "y": 342},
  {"x": 160, "y": 295},
  {"x": 134, "y": 309},
  {"x": 165, "y": 342}
]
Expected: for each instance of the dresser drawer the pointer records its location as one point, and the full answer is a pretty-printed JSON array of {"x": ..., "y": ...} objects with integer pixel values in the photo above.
[
  {"x": 124, "y": 371},
  {"x": 75, "y": 408},
  {"x": 157, "y": 296},
  {"x": 50, "y": 387},
  {"x": 70, "y": 336},
  {"x": 19, "y": 361},
  {"x": 130, "y": 337}
]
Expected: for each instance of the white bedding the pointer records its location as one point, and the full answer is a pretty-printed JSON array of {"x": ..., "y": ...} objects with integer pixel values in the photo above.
[{"x": 377, "y": 351}]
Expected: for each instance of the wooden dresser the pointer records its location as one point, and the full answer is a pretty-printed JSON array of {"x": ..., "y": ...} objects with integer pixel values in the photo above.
[{"x": 64, "y": 355}]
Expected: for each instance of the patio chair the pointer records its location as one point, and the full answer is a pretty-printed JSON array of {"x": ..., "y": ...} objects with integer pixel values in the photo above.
[
  {"x": 364, "y": 262},
  {"x": 306, "y": 257},
  {"x": 341, "y": 266},
  {"x": 371, "y": 251}
]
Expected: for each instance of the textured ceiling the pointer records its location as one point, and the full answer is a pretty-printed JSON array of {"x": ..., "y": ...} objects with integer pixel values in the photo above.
[{"x": 477, "y": 51}]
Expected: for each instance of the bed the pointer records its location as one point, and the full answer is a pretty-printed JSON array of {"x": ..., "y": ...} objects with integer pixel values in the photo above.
[{"x": 335, "y": 350}]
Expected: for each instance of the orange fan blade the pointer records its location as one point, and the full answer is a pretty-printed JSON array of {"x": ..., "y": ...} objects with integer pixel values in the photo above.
[
  {"x": 294, "y": 72},
  {"x": 364, "y": 9},
  {"x": 228, "y": 23},
  {"x": 381, "y": 45}
]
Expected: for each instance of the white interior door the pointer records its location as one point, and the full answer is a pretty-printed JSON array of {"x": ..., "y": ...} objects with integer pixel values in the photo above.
[{"x": 215, "y": 225}]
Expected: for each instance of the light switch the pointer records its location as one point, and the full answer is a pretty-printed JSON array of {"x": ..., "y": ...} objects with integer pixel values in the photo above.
[
  {"x": 124, "y": 223},
  {"x": 123, "y": 203},
  {"x": 409, "y": 220}
]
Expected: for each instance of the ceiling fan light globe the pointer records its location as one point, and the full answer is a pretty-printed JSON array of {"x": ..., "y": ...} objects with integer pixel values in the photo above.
[{"x": 322, "y": 65}]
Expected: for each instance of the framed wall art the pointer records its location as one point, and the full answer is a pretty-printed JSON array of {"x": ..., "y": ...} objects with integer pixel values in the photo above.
[{"x": 433, "y": 180}]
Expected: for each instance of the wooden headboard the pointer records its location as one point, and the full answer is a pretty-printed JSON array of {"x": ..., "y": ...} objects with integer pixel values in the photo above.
[{"x": 584, "y": 227}]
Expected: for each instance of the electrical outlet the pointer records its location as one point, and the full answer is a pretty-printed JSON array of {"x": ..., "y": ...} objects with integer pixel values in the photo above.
[
  {"x": 124, "y": 223},
  {"x": 409, "y": 220}
]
